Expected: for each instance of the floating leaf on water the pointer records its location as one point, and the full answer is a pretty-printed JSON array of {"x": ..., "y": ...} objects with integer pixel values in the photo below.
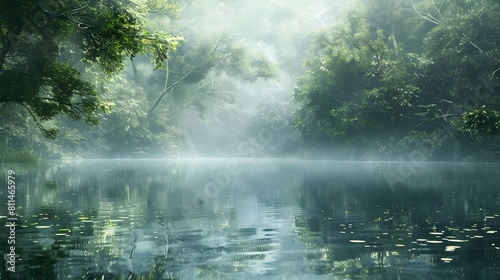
[
  {"x": 457, "y": 240},
  {"x": 43, "y": 226},
  {"x": 451, "y": 248}
]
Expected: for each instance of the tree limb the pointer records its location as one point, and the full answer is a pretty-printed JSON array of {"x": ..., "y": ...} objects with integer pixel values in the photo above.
[
  {"x": 205, "y": 94},
  {"x": 427, "y": 15},
  {"x": 180, "y": 80}
]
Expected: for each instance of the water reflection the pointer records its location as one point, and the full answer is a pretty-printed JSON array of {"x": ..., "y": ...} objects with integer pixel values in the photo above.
[{"x": 266, "y": 219}]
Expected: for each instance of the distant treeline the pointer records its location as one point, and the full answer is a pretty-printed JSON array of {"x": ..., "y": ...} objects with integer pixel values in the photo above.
[{"x": 417, "y": 79}]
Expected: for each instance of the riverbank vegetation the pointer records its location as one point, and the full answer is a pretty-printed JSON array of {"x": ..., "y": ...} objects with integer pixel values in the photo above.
[{"x": 410, "y": 80}]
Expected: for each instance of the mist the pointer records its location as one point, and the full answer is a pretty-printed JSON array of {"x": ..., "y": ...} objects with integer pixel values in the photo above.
[
  {"x": 210, "y": 139},
  {"x": 341, "y": 80},
  {"x": 258, "y": 121}
]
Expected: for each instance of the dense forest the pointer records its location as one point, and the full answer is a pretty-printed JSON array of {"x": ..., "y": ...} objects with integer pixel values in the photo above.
[
  {"x": 413, "y": 78},
  {"x": 410, "y": 80}
]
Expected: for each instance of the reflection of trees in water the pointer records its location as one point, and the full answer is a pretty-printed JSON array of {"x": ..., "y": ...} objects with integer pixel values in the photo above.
[
  {"x": 358, "y": 224},
  {"x": 106, "y": 215},
  {"x": 224, "y": 231},
  {"x": 78, "y": 218}
]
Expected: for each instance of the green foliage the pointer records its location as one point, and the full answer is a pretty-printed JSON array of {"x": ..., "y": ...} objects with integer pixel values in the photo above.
[
  {"x": 365, "y": 91},
  {"x": 168, "y": 7},
  {"x": 463, "y": 47},
  {"x": 379, "y": 82},
  {"x": 82, "y": 81},
  {"x": 195, "y": 71},
  {"x": 34, "y": 37},
  {"x": 480, "y": 123},
  {"x": 357, "y": 86}
]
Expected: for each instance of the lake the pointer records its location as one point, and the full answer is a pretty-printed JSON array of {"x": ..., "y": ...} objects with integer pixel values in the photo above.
[{"x": 253, "y": 219}]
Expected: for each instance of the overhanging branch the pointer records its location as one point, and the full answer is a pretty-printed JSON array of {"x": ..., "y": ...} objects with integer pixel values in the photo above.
[{"x": 165, "y": 91}]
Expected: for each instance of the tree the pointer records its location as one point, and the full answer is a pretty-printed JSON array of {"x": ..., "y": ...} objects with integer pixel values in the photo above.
[
  {"x": 155, "y": 110},
  {"x": 359, "y": 89},
  {"x": 463, "y": 48},
  {"x": 390, "y": 75},
  {"x": 46, "y": 45},
  {"x": 197, "y": 65}
]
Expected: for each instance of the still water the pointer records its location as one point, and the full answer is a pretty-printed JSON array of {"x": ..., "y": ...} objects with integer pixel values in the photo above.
[{"x": 253, "y": 219}]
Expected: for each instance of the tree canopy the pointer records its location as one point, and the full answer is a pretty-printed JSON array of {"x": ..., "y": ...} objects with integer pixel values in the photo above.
[
  {"x": 392, "y": 74},
  {"x": 411, "y": 78},
  {"x": 46, "y": 47}
]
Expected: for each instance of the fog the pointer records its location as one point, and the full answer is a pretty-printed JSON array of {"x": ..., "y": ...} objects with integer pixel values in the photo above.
[
  {"x": 283, "y": 32},
  {"x": 210, "y": 139},
  {"x": 343, "y": 80}
]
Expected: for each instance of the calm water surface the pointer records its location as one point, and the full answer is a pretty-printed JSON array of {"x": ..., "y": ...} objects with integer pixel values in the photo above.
[{"x": 254, "y": 219}]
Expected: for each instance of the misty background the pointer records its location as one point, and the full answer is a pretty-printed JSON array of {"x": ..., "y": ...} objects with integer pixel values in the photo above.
[
  {"x": 250, "y": 139},
  {"x": 367, "y": 79},
  {"x": 256, "y": 119}
]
